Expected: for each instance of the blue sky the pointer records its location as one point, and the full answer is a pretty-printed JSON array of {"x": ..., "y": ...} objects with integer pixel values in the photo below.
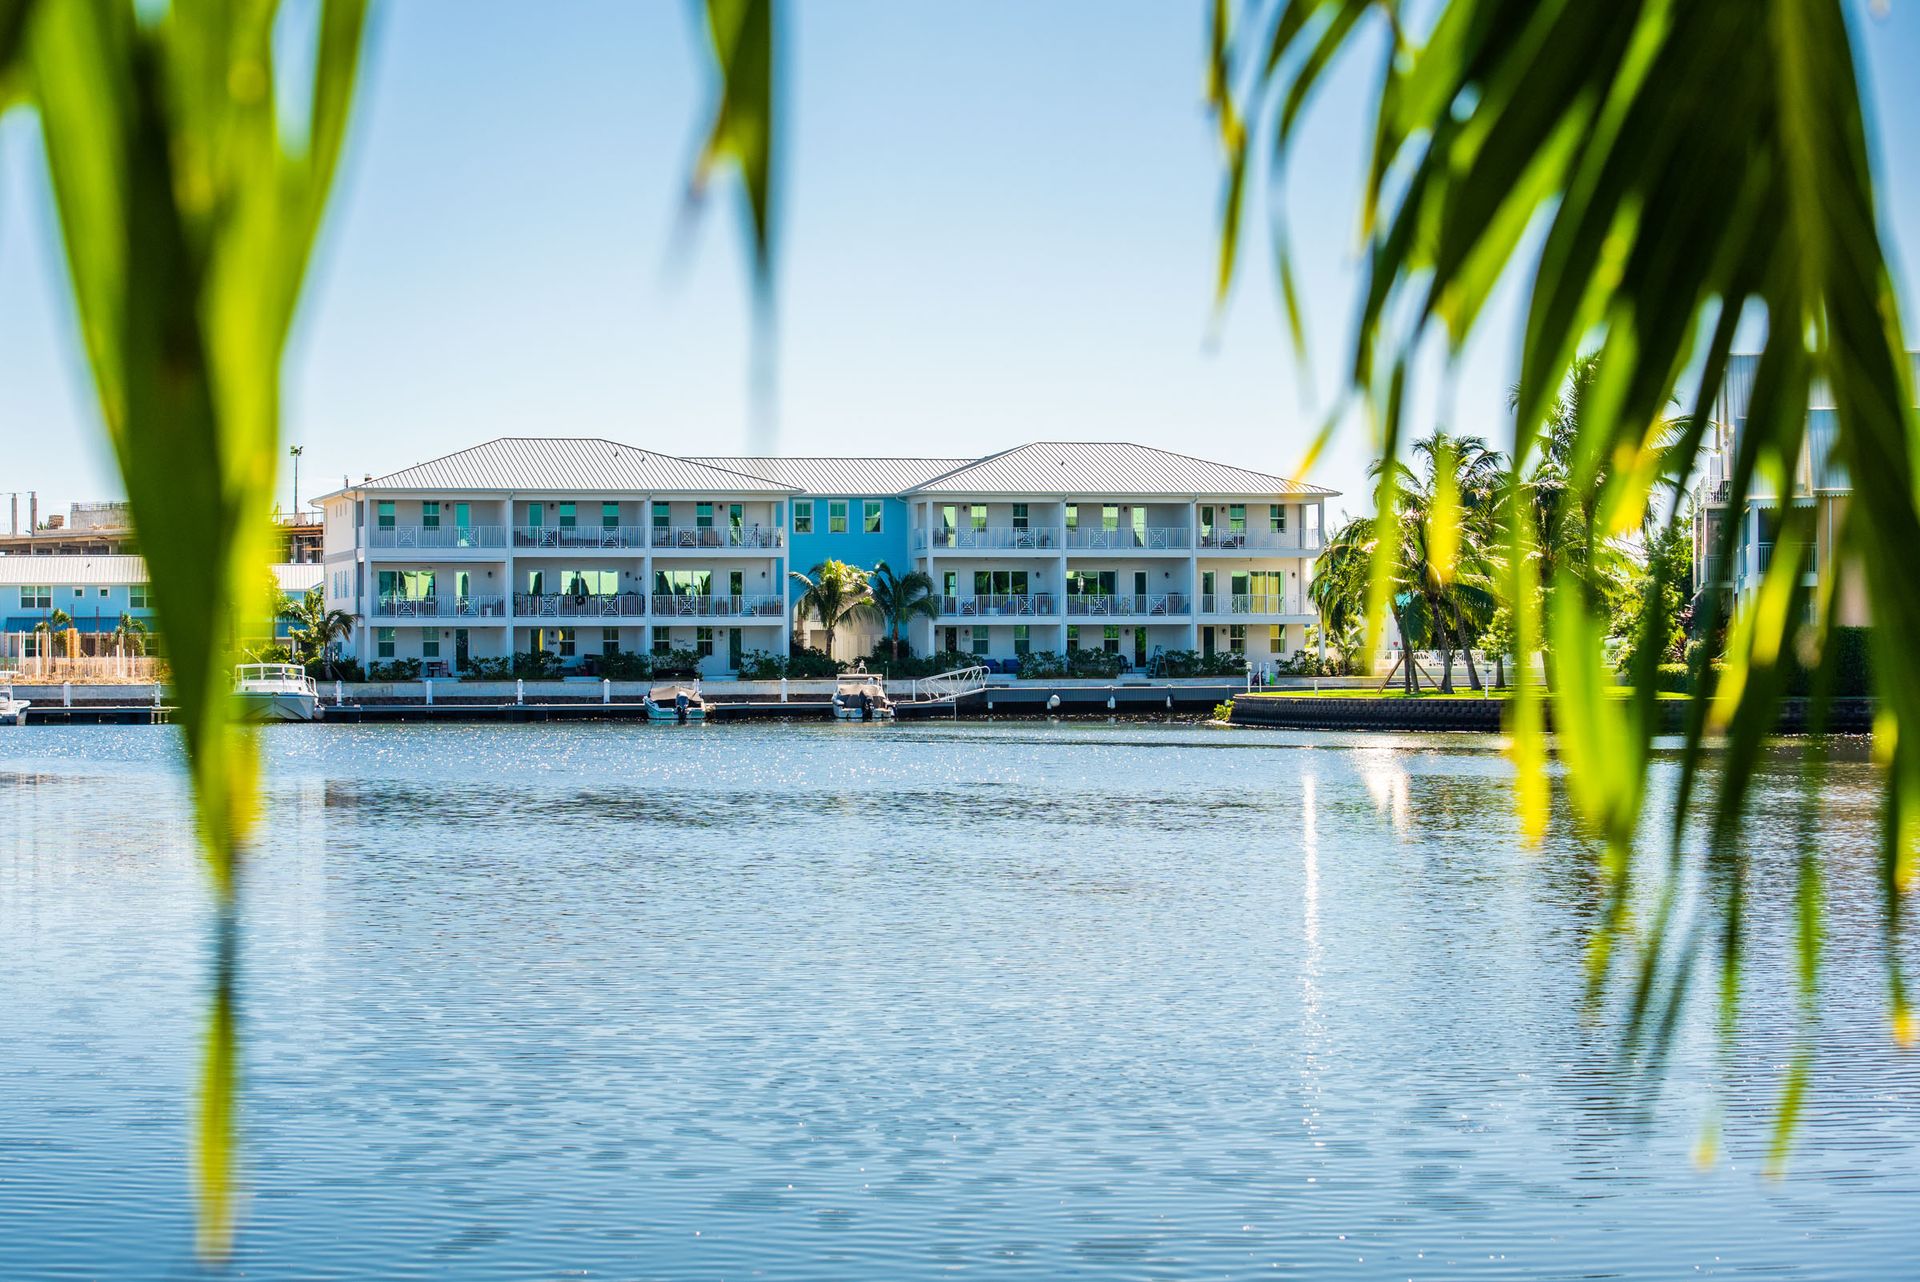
[{"x": 998, "y": 226}]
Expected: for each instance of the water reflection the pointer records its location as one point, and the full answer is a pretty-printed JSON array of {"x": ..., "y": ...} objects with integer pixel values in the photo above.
[{"x": 1127, "y": 1001}]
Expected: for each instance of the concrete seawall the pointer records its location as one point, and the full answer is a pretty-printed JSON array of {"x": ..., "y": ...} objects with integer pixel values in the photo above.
[{"x": 1484, "y": 716}]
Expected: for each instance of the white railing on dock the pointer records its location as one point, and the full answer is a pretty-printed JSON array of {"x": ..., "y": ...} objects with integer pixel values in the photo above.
[{"x": 948, "y": 686}]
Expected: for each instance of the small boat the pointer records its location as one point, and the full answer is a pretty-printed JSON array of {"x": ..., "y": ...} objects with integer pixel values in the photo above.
[
  {"x": 676, "y": 703},
  {"x": 859, "y": 696},
  {"x": 275, "y": 692},
  {"x": 13, "y": 712}
]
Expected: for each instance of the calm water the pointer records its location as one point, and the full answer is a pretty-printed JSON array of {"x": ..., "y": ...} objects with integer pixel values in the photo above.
[{"x": 1115, "y": 1001}]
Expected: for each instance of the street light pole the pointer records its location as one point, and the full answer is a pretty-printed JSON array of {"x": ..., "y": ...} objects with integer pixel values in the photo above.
[{"x": 296, "y": 451}]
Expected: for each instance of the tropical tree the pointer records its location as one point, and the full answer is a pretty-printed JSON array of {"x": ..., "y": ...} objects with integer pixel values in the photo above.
[
  {"x": 130, "y": 634},
  {"x": 902, "y": 598},
  {"x": 59, "y": 623},
  {"x": 835, "y": 593},
  {"x": 314, "y": 629}
]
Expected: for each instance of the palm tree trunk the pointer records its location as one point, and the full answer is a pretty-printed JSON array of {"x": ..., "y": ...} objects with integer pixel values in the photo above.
[
  {"x": 1500, "y": 670},
  {"x": 1446, "y": 661},
  {"x": 1473, "y": 673}
]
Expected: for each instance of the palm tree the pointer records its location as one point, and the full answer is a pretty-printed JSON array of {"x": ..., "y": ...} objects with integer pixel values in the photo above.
[
  {"x": 834, "y": 593},
  {"x": 59, "y": 621},
  {"x": 130, "y": 634},
  {"x": 901, "y": 598},
  {"x": 314, "y": 628}
]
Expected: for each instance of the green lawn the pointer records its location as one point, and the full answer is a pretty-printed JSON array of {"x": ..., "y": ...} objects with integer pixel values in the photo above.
[{"x": 1396, "y": 692}]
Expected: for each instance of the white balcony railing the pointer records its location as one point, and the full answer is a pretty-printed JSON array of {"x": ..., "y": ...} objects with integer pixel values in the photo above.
[
  {"x": 579, "y": 605},
  {"x": 579, "y": 537},
  {"x": 992, "y": 538},
  {"x": 718, "y": 607},
  {"x": 724, "y": 537},
  {"x": 1127, "y": 538},
  {"x": 1254, "y": 603},
  {"x": 439, "y": 607},
  {"x": 1763, "y": 559},
  {"x": 1150, "y": 604},
  {"x": 1259, "y": 541},
  {"x": 438, "y": 537},
  {"x": 999, "y": 605}
]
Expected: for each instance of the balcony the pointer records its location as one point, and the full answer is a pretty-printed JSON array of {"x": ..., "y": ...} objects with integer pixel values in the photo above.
[
  {"x": 574, "y": 538},
  {"x": 992, "y": 538},
  {"x": 438, "y": 538},
  {"x": 440, "y": 607},
  {"x": 1763, "y": 558},
  {"x": 668, "y": 606},
  {"x": 998, "y": 606},
  {"x": 1149, "y": 605},
  {"x": 580, "y": 605},
  {"x": 1152, "y": 538},
  {"x": 1259, "y": 541},
  {"x": 1277, "y": 603},
  {"x": 709, "y": 538}
]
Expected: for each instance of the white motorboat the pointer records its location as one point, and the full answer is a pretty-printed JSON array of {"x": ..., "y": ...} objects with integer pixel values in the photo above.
[
  {"x": 676, "y": 703},
  {"x": 13, "y": 711},
  {"x": 860, "y": 696},
  {"x": 275, "y": 692}
]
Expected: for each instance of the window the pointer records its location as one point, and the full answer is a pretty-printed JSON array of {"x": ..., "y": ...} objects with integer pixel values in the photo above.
[
  {"x": 662, "y": 516},
  {"x": 803, "y": 516},
  {"x": 1276, "y": 638},
  {"x": 1019, "y": 516},
  {"x": 1206, "y": 522},
  {"x": 1110, "y": 519},
  {"x": 384, "y": 642},
  {"x": 1110, "y": 640},
  {"x": 736, "y": 522},
  {"x": 703, "y": 516},
  {"x": 430, "y": 516},
  {"x": 836, "y": 516},
  {"x": 1276, "y": 519},
  {"x": 979, "y": 517},
  {"x": 1073, "y": 636},
  {"x": 140, "y": 597},
  {"x": 1091, "y": 583},
  {"x": 1236, "y": 518},
  {"x": 736, "y": 649},
  {"x": 36, "y": 598},
  {"x": 462, "y": 516},
  {"x": 979, "y": 641},
  {"x": 1021, "y": 641},
  {"x": 385, "y": 510},
  {"x": 947, "y": 511},
  {"x": 106, "y": 592},
  {"x": 1139, "y": 527},
  {"x": 79, "y": 592},
  {"x": 662, "y": 643},
  {"x": 1237, "y": 638},
  {"x": 536, "y": 516},
  {"x": 949, "y": 585},
  {"x": 952, "y": 638},
  {"x": 683, "y": 583},
  {"x": 567, "y": 642},
  {"x": 703, "y": 641},
  {"x": 568, "y": 517},
  {"x": 870, "y": 515},
  {"x": 429, "y": 644},
  {"x": 609, "y": 640},
  {"x": 1073, "y": 516},
  {"x": 609, "y": 516}
]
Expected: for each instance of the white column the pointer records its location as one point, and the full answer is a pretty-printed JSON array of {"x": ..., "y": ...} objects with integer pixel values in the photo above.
[
  {"x": 1193, "y": 574},
  {"x": 1060, "y": 574},
  {"x": 646, "y": 573},
  {"x": 782, "y": 568},
  {"x": 506, "y": 585}
]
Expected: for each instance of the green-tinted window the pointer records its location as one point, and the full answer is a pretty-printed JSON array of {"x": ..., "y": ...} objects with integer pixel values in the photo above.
[
  {"x": 609, "y": 516},
  {"x": 703, "y": 641},
  {"x": 1276, "y": 519},
  {"x": 703, "y": 516},
  {"x": 1073, "y": 516},
  {"x": 870, "y": 515},
  {"x": 979, "y": 640},
  {"x": 1019, "y": 516},
  {"x": 836, "y": 516},
  {"x": 566, "y": 643},
  {"x": 609, "y": 640},
  {"x": 567, "y": 516},
  {"x": 1110, "y": 519},
  {"x": 430, "y": 516},
  {"x": 979, "y": 515},
  {"x": 385, "y": 511},
  {"x": 1021, "y": 641},
  {"x": 1110, "y": 639},
  {"x": 662, "y": 516},
  {"x": 430, "y": 644},
  {"x": 1073, "y": 636},
  {"x": 1237, "y": 638},
  {"x": 662, "y": 643},
  {"x": 384, "y": 640},
  {"x": 803, "y": 516},
  {"x": 536, "y": 515},
  {"x": 1276, "y": 638},
  {"x": 37, "y": 598},
  {"x": 1236, "y": 518},
  {"x": 140, "y": 597}
]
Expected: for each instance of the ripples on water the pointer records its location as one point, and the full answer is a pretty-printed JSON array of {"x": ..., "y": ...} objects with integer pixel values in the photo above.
[{"x": 843, "y": 1002}]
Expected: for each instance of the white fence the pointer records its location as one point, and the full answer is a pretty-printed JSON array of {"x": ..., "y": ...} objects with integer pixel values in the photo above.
[{"x": 87, "y": 657}]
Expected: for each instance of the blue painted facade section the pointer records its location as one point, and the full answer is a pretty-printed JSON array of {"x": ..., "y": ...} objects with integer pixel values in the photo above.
[{"x": 855, "y": 546}]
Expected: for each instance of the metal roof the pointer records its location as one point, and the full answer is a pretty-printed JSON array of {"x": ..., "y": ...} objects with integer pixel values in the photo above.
[
  {"x": 843, "y": 476},
  {"x": 553, "y": 463},
  {"x": 1098, "y": 468},
  {"x": 49, "y": 569},
  {"x": 52, "y": 570}
]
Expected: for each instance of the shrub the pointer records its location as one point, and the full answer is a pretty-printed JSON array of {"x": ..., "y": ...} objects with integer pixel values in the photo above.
[
  {"x": 1852, "y": 667},
  {"x": 625, "y": 665},
  {"x": 1223, "y": 711},
  {"x": 761, "y": 665},
  {"x": 1093, "y": 663},
  {"x": 1675, "y": 678},
  {"x": 488, "y": 668},
  {"x": 1040, "y": 664},
  {"x": 395, "y": 670},
  {"x": 806, "y": 664},
  {"x": 682, "y": 663},
  {"x": 536, "y": 665},
  {"x": 343, "y": 670},
  {"x": 1180, "y": 663}
]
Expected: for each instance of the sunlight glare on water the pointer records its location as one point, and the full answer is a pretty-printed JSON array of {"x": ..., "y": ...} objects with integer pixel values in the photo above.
[{"x": 830, "y": 1002}]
